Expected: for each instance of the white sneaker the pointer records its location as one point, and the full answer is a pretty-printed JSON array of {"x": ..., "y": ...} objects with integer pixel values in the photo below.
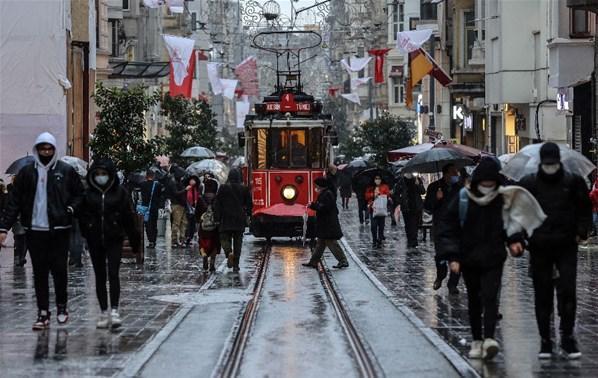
[
  {"x": 115, "y": 318},
  {"x": 490, "y": 349},
  {"x": 476, "y": 349},
  {"x": 103, "y": 320}
]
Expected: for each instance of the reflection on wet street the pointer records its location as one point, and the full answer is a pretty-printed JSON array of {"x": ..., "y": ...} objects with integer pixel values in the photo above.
[
  {"x": 409, "y": 274},
  {"x": 296, "y": 331}
]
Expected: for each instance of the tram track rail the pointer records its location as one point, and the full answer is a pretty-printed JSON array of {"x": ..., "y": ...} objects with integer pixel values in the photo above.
[{"x": 366, "y": 365}]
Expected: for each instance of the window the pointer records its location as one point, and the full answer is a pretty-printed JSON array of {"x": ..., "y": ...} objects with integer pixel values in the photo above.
[
  {"x": 360, "y": 53},
  {"x": 261, "y": 138},
  {"x": 279, "y": 148},
  {"x": 114, "y": 27},
  {"x": 298, "y": 148},
  {"x": 126, "y": 5},
  {"x": 469, "y": 34},
  {"x": 194, "y": 21},
  {"x": 398, "y": 19},
  {"x": 398, "y": 91},
  {"x": 579, "y": 24},
  {"x": 315, "y": 148}
]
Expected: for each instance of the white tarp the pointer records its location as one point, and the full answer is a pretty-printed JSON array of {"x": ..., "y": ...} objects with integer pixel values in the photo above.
[
  {"x": 571, "y": 62},
  {"x": 176, "y": 6},
  {"x": 32, "y": 60},
  {"x": 409, "y": 41},
  {"x": 179, "y": 50},
  {"x": 228, "y": 87},
  {"x": 353, "y": 97}
]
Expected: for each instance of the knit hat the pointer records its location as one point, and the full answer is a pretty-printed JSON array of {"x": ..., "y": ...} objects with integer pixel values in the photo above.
[
  {"x": 550, "y": 153},
  {"x": 322, "y": 182},
  {"x": 487, "y": 170}
]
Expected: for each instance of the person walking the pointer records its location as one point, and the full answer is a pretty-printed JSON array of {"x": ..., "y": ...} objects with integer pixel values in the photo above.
[
  {"x": 178, "y": 202},
  {"x": 232, "y": 208},
  {"x": 377, "y": 199},
  {"x": 411, "y": 190},
  {"x": 472, "y": 235},
  {"x": 209, "y": 236},
  {"x": 438, "y": 194},
  {"x": 151, "y": 193},
  {"x": 553, "y": 247},
  {"x": 328, "y": 228},
  {"x": 106, "y": 215},
  {"x": 3, "y": 202},
  {"x": 345, "y": 188},
  {"x": 18, "y": 233},
  {"x": 191, "y": 199},
  {"x": 359, "y": 187},
  {"x": 46, "y": 195}
]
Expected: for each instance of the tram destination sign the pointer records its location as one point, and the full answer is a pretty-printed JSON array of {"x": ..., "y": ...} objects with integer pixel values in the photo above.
[{"x": 272, "y": 107}]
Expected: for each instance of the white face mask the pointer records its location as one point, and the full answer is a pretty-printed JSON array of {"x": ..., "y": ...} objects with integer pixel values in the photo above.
[
  {"x": 378, "y": 182},
  {"x": 486, "y": 189},
  {"x": 101, "y": 179},
  {"x": 551, "y": 169},
  {"x": 408, "y": 175}
]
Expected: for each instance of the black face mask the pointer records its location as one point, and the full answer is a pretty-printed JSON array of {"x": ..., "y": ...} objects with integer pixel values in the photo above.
[{"x": 45, "y": 159}]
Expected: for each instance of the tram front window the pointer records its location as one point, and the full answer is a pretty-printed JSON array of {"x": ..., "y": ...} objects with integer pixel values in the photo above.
[
  {"x": 279, "y": 143},
  {"x": 298, "y": 149}
]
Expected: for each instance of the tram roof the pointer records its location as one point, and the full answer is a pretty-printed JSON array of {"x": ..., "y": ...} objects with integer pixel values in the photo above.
[{"x": 292, "y": 123}]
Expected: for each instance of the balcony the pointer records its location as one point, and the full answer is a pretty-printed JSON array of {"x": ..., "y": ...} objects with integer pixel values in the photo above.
[{"x": 589, "y": 5}]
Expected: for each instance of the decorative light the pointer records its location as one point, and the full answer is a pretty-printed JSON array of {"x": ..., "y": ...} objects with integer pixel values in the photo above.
[{"x": 271, "y": 10}]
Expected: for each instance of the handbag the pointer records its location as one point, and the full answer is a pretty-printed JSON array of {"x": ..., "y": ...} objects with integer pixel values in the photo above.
[
  {"x": 380, "y": 206},
  {"x": 145, "y": 210}
]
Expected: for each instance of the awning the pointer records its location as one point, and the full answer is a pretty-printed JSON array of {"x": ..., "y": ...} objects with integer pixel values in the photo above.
[
  {"x": 565, "y": 71},
  {"x": 139, "y": 70}
]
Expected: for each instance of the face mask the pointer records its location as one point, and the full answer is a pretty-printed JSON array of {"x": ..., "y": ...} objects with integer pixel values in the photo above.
[
  {"x": 318, "y": 189},
  {"x": 378, "y": 182},
  {"x": 486, "y": 189},
  {"x": 408, "y": 175},
  {"x": 551, "y": 169},
  {"x": 454, "y": 179},
  {"x": 101, "y": 179}
]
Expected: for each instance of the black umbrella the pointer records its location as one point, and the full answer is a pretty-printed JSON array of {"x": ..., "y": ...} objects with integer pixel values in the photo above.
[
  {"x": 434, "y": 160},
  {"x": 16, "y": 165},
  {"x": 368, "y": 175},
  {"x": 136, "y": 178}
]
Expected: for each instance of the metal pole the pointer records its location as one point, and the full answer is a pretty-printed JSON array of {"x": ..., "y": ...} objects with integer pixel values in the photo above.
[
  {"x": 595, "y": 96},
  {"x": 432, "y": 124}
]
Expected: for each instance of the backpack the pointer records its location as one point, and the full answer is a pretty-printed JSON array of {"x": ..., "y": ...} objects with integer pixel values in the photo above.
[{"x": 208, "y": 223}]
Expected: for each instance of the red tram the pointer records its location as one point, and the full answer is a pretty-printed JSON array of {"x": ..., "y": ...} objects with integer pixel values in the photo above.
[{"x": 288, "y": 144}]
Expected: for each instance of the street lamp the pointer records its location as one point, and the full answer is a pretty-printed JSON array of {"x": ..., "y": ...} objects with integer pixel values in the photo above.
[{"x": 271, "y": 10}]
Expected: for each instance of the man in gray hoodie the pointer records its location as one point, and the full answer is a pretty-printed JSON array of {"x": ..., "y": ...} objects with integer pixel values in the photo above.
[{"x": 45, "y": 197}]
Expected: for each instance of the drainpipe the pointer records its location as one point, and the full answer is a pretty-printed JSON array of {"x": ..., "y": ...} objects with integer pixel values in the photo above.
[{"x": 538, "y": 137}]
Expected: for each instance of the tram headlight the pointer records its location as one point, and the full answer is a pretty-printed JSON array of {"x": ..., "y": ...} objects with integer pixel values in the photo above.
[{"x": 289, "y": 192}]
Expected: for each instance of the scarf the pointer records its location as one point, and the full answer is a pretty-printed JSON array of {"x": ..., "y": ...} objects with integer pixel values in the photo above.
[{"x": 520, "y": 212}]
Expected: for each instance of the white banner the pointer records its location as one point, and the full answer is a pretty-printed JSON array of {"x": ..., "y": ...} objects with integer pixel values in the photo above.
[
  {"x": 242, "y": 111},
  {"x": 153, "y": 3},
  {"x": 353, "y": 97},
  {"x": 214, "y": 78},
  {"x": 412, "y": 40},
  {"x": 176, "y": 6},
  {"x": 228, "y": 88},
  {"x": 357, "y": 64},
  {"x": 179, "y": 50},
  {"x": 356, "y": 83}
]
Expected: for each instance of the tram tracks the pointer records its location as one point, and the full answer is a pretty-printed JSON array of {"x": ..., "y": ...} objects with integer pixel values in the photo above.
[{"x": 231, "y": 361}]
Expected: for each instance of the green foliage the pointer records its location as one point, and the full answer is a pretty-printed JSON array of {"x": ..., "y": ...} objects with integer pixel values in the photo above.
[
  {"x": 379, "y": 136},
  {"x": 190, "y": 123},
  {"x": 120, "y": 134}
]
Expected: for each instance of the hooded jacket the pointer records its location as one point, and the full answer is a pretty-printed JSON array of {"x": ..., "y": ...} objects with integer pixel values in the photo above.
[
  {"x": 53, "y": 207},
  {"x": 106, "y": 212},
  {"x": 327, "y": 224},
  {"x": 233, "y": 204}
]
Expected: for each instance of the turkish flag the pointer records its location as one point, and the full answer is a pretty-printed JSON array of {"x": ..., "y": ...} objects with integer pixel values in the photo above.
[
  {"x": 332, "y": 91},
  {"x": 379, "y": 55},
  {"x": 185, "y": 88}
]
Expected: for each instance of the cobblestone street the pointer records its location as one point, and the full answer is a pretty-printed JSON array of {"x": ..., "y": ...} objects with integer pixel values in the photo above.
[{"x": 410, "y": 275}]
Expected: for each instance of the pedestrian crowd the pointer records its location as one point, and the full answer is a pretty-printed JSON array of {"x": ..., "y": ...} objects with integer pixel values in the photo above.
[{"x": 54, "y": 213}]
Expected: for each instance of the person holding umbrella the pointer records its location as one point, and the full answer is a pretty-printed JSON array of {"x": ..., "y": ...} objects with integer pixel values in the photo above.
[
  {"x": 410, "y": 194},
  {"x": 564, "y": 198},
  {"x": 376, "y": 196}
]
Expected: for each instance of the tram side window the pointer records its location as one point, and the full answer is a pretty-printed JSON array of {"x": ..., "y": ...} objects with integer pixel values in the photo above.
[
  {"x": 298, "y": 149},
  {"x": 315, "y": 148},
  {"x": 261, "y": 148},
  {"x": 279, "y": 143}
]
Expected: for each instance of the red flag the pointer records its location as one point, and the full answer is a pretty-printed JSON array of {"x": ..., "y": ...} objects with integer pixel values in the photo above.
[
  {"x": 185, "y": 88},
  {"x": 437, "y": 72},
  {"x": 246, "y": 72},
  {"x": 379, "y": 55},
  {"x": 332, "y": 91}
]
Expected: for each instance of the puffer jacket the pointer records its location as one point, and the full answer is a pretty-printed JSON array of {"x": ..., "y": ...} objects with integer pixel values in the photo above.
[
  {"x": 233, "y": 204},
  {"x": 106, "y": 213},
  {"x": 565, "y": 200},
  {"x": 327, "y": 224},
  {"x": 64, "y": 191}
]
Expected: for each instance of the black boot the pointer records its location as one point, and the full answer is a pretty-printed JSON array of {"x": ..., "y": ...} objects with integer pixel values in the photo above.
[
  {"x": 213, "y": 264},
  {"x": 205, "y": 263}
]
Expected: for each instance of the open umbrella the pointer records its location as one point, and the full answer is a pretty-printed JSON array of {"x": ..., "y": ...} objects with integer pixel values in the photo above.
[
  {"x": 216, "y": 167},
  {"x": 136, "y": 178},
  {"x": 527, "y": 160},
  {"x": 464, "y": 150},
  {"x": 370, "y": 173},
  {"x": 504, "y": 159},
  {"x": 409, "y": 151},
  {"x": 433, "y": 160},
  {"x": 16, "y": 165},
  {"x": 80, "y": 165},
  {"x": 239, "y": 162},
  {"x": 198, "y": 152}
]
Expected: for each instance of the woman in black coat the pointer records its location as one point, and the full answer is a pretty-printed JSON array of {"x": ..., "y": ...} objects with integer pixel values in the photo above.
[
  {"x": 106, "y": 215},
  {"x": 328, "y": 228}
]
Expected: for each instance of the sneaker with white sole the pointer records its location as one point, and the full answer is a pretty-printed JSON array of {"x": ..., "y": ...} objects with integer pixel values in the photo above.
[
  {"x": 569, "y": 346},
  {"x": 476, "y": 349},
  {"x": 43, "y": 321},
  {"x": 115, "y": 318},
  {"x": 490, "y": 349},
  {"x": 545, "y": 349},
  {"x": 62, "y": 315},
  {"x": 103, "y": 320}
]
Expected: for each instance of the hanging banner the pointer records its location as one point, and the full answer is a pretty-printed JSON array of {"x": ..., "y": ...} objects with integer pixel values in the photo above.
[
  {"x": 412, "y": 40},
  {"x": 357, "y": 64},
  {"x": 176, "y": 6},
  {"x": 356, "y": 83},
  {"x": 228, "y": 88},
  {"x": 186, "y": 87},
  {"x": 214, "y": 78},
  {"x": 246, "y": 72},
  {"x": 242, "y": 109},
  {"x": 180, "y": 50},
  {"x": 379, "y": 55},
  {"x": 353, "y": 97},
  {"x": 153, "y": 3}
]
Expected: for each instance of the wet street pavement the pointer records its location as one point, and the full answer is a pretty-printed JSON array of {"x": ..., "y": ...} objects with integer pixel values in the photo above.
[{"x": 409, "y": 276}]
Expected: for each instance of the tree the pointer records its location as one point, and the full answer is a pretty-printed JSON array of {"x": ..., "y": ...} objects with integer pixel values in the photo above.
[
  {"x": 190, "y": 123},
  {"x": 380, "y": 135},
  {"x": 120, "y": 134}
]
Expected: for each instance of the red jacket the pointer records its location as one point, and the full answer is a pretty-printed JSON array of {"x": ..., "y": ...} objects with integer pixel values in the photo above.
[
  {"x": 594, "y": 199},
  {"x": 369, "y": 193}
]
